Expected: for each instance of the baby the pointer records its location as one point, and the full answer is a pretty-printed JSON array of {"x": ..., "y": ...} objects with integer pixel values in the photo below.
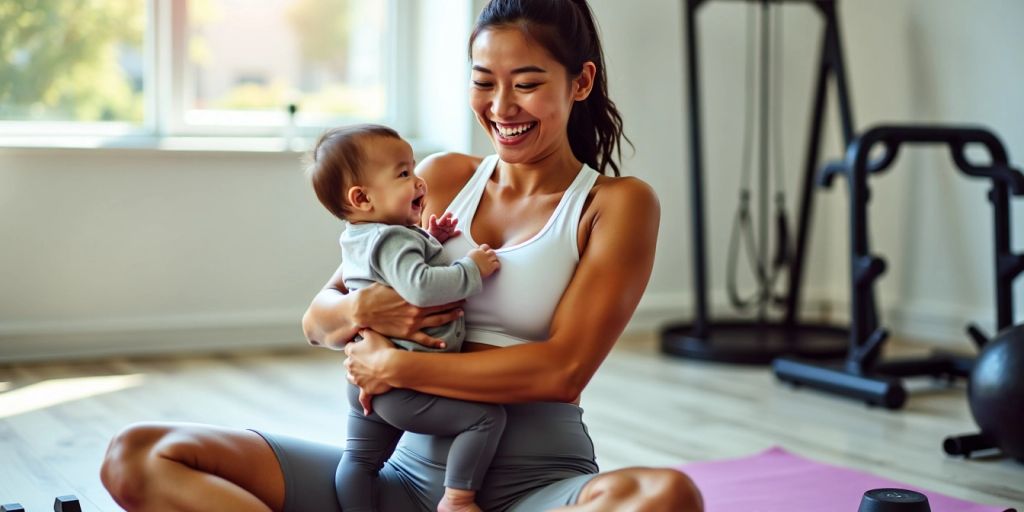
[{"x": 363, "y": 175}]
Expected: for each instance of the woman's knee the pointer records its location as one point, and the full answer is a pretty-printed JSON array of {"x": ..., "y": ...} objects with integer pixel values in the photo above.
[
  {"x": 648, "y": 489},
  {"x": 124, "y": 469},
  {"x": 676, "y": 489}
]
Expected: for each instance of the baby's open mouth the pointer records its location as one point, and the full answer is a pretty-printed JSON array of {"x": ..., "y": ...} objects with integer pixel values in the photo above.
[{"x": 418, "y": 202}]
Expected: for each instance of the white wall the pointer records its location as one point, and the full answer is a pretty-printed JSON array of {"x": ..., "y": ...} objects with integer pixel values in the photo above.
[
  {"x": 143, "y": 250},
  {"x": 109, "y": 250}
]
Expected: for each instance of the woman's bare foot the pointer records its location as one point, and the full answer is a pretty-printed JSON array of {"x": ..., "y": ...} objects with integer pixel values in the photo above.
[{"x": 458, "y": 500}]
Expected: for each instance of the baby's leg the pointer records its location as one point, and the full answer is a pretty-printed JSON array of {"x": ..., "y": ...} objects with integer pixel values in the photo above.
[
  {"x": 370, "y": 442},
  {"x": 476, "y": 428}
]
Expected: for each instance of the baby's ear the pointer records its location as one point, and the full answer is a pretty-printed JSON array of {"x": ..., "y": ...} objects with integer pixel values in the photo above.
[{"x": 358, "y": 199}]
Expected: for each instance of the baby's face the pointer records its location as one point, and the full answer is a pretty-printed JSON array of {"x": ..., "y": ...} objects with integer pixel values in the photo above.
[{"x": 394, "y": 191}]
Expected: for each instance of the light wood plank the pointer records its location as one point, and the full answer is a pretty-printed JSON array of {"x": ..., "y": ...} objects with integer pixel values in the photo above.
[{"x": 642, "y": 408}]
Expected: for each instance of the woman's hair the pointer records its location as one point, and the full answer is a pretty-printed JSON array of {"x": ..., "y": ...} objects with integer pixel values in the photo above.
[
  {"x": 566, "y": 29},
  {"x": 336, "y": 161}
]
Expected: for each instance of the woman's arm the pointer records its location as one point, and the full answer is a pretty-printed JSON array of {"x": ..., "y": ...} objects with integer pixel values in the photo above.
[
  {"x": 610, "y": 279},
  {"x": 329, "y": 320},
  {"x": 336, "y": 315}
]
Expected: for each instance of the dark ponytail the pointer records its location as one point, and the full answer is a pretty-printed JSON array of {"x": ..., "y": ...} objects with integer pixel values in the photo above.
[{"x": 566, "y": 29}]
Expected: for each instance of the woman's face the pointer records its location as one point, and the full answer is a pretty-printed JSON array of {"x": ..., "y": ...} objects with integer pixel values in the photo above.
[{"x": 522, "y": 96}]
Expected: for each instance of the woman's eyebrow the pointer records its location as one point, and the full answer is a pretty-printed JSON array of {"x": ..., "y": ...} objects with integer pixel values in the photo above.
[{"x": 524, "y": 69}]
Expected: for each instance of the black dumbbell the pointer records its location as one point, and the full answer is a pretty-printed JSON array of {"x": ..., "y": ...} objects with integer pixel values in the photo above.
[
  {"x": 893, "y": 500},
  {"x": 12, "y": 507},
  {"x": 68, "y": 503}
]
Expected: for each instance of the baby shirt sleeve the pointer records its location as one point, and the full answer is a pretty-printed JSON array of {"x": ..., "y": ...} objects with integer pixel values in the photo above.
[{"x": 399, "y": 256}]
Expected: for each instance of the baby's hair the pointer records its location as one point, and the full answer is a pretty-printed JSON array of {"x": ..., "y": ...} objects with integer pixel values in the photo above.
[{"x": 336, "y": 161}]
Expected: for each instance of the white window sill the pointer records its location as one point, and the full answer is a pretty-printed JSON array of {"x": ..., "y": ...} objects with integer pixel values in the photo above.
[
  {"x": 234, "y": 145},
  {"x": 195, "y": 144}
]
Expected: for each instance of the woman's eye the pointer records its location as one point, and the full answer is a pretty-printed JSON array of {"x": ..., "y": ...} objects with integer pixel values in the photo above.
[
  {"x": 481, "y": 85},
  {"x": 527, "y": 86}
]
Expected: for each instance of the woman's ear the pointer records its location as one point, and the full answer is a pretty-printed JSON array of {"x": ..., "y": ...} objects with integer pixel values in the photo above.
[
  {"x": 359, "y": 200},
  {"x": 584, "y": 82}
]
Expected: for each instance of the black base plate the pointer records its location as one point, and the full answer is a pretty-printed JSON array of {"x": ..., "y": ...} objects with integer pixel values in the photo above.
[{"x": 755, "y": 343}]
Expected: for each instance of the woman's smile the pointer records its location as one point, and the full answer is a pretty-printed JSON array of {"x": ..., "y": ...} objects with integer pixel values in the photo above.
[{"x": 511, "y": 134}]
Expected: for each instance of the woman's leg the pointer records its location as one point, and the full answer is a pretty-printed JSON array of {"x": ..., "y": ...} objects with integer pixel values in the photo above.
[
  {"x": 189, "y": 467},
  {"x": 639, "y": 489}
]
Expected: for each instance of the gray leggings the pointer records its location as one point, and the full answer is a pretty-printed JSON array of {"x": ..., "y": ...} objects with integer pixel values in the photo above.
[
  {"x": 543, "y": 460},
  {"x": 475, "y": 428}
]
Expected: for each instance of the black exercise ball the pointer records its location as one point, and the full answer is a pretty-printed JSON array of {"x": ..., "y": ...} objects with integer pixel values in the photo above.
[{"x": 996, "y": 391}]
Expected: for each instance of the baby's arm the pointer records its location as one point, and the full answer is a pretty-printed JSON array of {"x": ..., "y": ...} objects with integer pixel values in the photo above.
[
  {"x": 399, "y": 257},
  {"x": 444, "y": 228}
]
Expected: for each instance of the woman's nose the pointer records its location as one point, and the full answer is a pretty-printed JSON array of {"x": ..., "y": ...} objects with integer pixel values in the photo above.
[{"x": 503, "y": 105}]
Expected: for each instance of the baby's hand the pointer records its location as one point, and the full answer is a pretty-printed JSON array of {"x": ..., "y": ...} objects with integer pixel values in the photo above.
[
  {"x": 486, "y": 259},
  {"x": 444, "y": 228}
]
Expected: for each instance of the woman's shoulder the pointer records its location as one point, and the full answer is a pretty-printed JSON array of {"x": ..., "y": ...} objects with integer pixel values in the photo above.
[
  {"x": 448, "y": 167},
  {"x": 627, "y": 192},
  {"x": 445, "y": 174}
]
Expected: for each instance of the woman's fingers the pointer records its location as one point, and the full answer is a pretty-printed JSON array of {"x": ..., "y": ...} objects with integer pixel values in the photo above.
[
  {"x": 441, "y": 318},
  {"x": 366, "y": 400},
  {"x": 426, "y": 340},
  {"x": 432, "y": 310}
]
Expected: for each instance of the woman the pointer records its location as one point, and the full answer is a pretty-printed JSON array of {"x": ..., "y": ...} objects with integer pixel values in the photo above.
[{"x": 577, "y": 249}]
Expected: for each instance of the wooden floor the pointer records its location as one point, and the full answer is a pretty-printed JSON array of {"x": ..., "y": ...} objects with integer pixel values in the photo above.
[{"x": 642, "y": 408}]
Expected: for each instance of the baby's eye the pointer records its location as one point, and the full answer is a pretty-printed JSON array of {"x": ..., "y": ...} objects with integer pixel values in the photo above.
[{"x": 404, "y": 174}]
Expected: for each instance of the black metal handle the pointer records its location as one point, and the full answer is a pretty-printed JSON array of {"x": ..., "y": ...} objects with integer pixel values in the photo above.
[{"x": 892, "y": 138}]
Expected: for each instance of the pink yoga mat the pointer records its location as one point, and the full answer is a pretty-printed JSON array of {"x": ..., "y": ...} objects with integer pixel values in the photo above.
[{"x": 778, "y": 481}]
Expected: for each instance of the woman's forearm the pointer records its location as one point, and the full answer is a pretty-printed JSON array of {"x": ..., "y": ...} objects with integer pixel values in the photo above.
[
  {"x": 330, "y": 319},
  {"x": 523, "y": 373}
]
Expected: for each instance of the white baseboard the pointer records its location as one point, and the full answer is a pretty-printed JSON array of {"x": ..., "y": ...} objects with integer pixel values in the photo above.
[
  {"x": 656, "y": 310},
  {"x": 933, "y": 322},
  {"x": 35, "y": 341},
  {"x": 940, "y": 324}
]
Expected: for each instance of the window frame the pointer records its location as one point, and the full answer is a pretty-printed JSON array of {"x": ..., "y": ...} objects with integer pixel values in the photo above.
[{"x": 165, "y": 76}]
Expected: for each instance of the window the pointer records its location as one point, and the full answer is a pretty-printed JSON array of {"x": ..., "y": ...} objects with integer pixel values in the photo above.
[
  {"x": 197, "y": 67},
  {"x": 72, "y": 61}
]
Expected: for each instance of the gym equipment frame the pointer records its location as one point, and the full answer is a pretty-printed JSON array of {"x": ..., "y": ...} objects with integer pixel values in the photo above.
[
  {"x": 862, "y": 375},
  {"x": 760, "y": 340}
]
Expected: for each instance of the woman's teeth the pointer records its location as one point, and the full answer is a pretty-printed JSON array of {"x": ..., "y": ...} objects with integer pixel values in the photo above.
[{"x": 509, "y": 131}]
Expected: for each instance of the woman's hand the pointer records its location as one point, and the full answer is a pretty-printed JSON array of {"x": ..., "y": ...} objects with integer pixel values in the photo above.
[
  {"x": 366, "y": 364},
  {"x": 383, "y": 310}
]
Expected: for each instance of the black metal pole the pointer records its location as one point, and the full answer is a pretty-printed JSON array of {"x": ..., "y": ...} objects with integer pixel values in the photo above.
[
  {"x": 999, "y": 196},
  {"x": 763, "y": 265},
  {"x": 825, "y": 65},
  {"x": 700, "y": 319},
  {"x": 846, "y": 123},
  {"x": 839, "y": 68},
  {"x": 860, "y": 288}
]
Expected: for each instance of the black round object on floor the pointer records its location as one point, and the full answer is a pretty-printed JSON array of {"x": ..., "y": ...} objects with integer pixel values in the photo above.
[
  {"x": 996, "y": 391},
  {"x": 755, "y": 343},
  {"x": 893, "y": 500}
]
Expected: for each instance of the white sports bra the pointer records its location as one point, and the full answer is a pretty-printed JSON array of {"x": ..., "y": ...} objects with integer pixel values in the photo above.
[{"x": 519, "y": 300}]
